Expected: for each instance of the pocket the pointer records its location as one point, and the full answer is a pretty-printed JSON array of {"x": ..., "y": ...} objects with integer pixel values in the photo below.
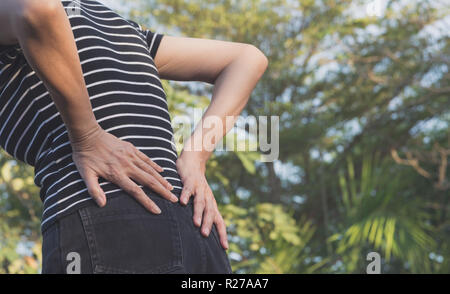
[{"x": 123, "y": 237}]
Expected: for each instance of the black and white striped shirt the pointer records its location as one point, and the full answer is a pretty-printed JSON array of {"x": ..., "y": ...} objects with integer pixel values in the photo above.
[{"x": 127, "y": 98}]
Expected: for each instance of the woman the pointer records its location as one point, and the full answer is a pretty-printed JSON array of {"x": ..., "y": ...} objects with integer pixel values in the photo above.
[{"x": 82, "y": 101}]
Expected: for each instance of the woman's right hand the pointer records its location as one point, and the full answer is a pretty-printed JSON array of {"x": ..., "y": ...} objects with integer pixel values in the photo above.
[{"x": 101, "y": 154}]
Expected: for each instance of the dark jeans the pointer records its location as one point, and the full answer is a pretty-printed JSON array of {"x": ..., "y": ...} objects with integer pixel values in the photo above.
[{"x": 123, "y": 237}]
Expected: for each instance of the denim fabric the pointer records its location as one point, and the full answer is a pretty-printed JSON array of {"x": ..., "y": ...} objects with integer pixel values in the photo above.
[{"x": 123, "y": 237}]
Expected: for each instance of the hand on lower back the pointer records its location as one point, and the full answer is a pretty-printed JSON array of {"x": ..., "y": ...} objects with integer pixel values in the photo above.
[
  {"x": 101, "y": 154},
  {"x": 192, "y": 174}
]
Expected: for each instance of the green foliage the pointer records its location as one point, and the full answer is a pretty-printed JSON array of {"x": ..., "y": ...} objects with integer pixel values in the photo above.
[
  {"x": 269, "y": 240},
  {"x": 20, "y": 211},
  {"x": 377, "y": 215}
]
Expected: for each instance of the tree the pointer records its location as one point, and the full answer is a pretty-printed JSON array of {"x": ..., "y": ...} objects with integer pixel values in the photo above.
[{"x": 364, "y": 118}]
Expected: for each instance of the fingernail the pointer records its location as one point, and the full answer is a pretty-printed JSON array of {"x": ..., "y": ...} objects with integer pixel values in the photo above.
[
  {"x": 101, "y": 202},
  {"x": 170, "y": 187},
  {"x": 158, "y": 211},
  {"x": 205, "y": 231}
]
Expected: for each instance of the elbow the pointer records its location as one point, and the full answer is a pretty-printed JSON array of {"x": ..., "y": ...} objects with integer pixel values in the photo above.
[
  {"x": 263, "y": 60},
  {"x": 33, "y": 14},
  {"x": 249, "y": 57},
  {"x": 258, "y": 57}
]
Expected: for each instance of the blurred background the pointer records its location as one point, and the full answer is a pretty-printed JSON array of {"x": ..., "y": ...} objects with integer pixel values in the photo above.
[{"x": 363, "y": 95}]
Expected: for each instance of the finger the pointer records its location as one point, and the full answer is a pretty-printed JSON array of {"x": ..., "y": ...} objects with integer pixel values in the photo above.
[
  {"x": 199, "y": 206},
  {"x": 208, "y": 218},
  {"x": 150, "y": 170},
  {"x": 152, "y": 183},
  {"x": 185, "y": 194},
  {"x": 134, "y": 190},
  {"x": 222, "y": 230},
  {"x": 147, "y": 160},
  {"x": 94, "y": 189}
]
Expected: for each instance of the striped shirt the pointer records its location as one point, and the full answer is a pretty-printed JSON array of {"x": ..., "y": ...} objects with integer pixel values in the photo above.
[{"x": 126, "y": 95}]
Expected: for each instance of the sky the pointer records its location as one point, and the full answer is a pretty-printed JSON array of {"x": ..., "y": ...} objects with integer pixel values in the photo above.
[{"x": 114, "y": 4}]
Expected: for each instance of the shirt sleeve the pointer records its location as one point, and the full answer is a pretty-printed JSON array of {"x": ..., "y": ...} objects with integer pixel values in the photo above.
[{"x": 152, "y": 38}]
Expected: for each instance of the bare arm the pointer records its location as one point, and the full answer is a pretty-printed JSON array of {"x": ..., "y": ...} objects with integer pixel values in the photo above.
[
  {"x": 234, "y": 69},
  {"x": 44, "y": 33}
]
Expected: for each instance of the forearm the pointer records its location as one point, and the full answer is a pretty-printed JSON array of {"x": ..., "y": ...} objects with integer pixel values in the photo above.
[
  {"x": 43, "y": 31},
  {"x": 231, "y": 92}
]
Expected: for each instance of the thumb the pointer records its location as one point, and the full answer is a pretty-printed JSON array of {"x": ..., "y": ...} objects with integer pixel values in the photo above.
[
  {"x": 185, "y": 194},
  {"x": 94, "y": 188}
]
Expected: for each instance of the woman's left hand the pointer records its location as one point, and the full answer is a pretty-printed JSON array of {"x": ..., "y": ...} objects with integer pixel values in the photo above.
[{"x": 192, "y": 173}]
